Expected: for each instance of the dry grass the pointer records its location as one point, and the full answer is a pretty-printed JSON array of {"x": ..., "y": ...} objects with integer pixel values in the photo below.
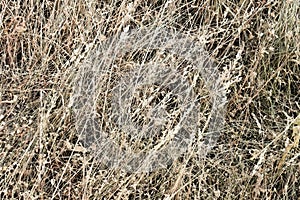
[{"x": 42, "y": 48}]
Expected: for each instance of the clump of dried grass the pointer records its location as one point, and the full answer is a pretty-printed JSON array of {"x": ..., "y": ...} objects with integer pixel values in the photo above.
[{"x": 257, "y": 155}]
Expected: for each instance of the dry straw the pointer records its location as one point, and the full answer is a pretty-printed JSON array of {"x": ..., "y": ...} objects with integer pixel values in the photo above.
[{"x": 141, "y": 115}]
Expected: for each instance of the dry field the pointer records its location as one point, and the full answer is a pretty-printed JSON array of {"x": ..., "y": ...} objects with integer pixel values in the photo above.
[{"x": 47, "y": 46}]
